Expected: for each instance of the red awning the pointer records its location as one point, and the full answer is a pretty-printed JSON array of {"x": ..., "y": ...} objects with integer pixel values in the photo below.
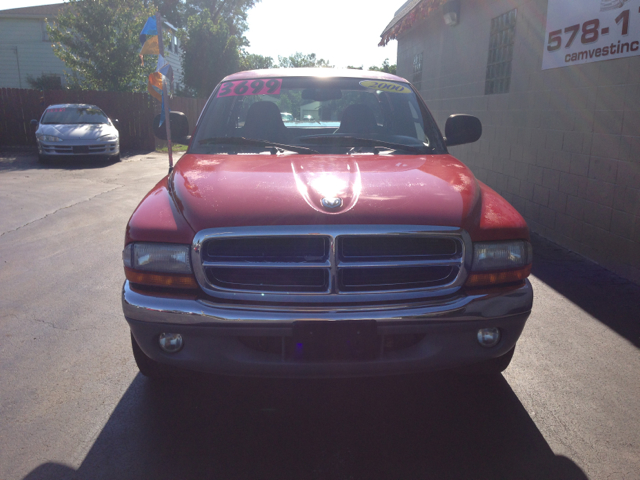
[{"x": 409, "y": 14}]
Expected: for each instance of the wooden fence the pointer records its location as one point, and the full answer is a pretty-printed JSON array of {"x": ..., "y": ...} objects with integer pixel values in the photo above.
[{"x": 134, "y": 111}]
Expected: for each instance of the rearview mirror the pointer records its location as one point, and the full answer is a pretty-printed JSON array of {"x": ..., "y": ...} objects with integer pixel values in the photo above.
[
  {"x": 34, "y": 123},
  {"x": 321, "y": 94},
  {"x": 460, "y": 129},
  {"x": 179, "y": 128}
]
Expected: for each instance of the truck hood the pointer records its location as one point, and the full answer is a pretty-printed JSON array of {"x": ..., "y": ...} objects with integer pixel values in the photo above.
[{"x": 251, "y": 190}]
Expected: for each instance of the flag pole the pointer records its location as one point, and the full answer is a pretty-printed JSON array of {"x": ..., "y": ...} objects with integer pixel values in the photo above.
[{"x": 165, "y": 95}]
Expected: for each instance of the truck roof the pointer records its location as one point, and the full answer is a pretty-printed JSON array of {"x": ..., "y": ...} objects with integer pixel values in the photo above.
[{"x": 314, "y": 72}]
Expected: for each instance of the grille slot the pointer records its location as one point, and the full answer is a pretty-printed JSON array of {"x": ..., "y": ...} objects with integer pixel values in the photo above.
[
  {"x": 268, "y": 249},
  {"x": 273, "y": 279},
  {"x": 396, "y": 247},
  {"x": 394, "y": 278}
]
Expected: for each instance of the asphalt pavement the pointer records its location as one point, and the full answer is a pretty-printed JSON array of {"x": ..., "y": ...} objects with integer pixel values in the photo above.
[{"x": 73, "y": 405}]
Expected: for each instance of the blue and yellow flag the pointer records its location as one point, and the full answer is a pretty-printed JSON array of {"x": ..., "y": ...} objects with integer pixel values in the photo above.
[{"x": 149, "y": 39}]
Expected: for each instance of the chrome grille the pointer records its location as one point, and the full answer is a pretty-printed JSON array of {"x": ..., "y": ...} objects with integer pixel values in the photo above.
[{"x": 271, "y": 263}]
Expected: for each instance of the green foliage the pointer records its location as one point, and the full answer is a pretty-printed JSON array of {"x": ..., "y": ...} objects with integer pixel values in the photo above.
[
  {"x": 46, "y": 81},
  {"x": 385, "y": 67},
  {"x": 232, "y": 12},
  {"x": 99, "y": 41},
  {"x": 299, "y": 60},
  {"x": 173, "y": 11},
  {"x": 209, "y": 53},
  {"x": 212, "y": 43},
  {"x": 252, "y": 61},
  {"x": 350, "y": 67}
]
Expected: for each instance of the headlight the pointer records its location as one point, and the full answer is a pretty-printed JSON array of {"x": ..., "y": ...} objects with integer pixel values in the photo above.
[
  {"x": 48, "y": 138},
  {"x": 497, "y": 263},
  {"x": 159, "y": 265},
  {"x": 157, "y": 257},
  {"x": 500, "y": 255},
  {"x": 108, "y": 138}
]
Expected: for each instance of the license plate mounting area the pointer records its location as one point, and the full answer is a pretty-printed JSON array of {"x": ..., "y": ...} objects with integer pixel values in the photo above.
[{"x": 335, "y": 341}]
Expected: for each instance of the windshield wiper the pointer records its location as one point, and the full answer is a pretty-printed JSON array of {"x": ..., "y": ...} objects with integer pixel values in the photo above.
[
  {"x": 349, "y": 141},
  {"x": 258, "y": 143}
]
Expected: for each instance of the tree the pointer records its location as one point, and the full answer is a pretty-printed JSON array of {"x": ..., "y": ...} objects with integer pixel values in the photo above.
[
  {"x": 212, "y": 42},
  {"x": 385, "y": 67},
  {"x": 173, "y": 11},
  {"x": 209, "y": 53},
  {"x": 299, "y": 60},
  {"x": 46, "y": 81},
  {"x": 99, "y": 41},
  {"x": 252, "y": 61}
]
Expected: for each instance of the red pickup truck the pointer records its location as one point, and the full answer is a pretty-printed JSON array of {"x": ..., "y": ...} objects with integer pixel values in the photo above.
[{"x": 342, "y": 241}]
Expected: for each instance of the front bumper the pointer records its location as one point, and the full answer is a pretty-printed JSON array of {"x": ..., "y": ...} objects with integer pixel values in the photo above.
[
  {"x": 79, "y": 148},
  {"x": 215, "y": 336}
]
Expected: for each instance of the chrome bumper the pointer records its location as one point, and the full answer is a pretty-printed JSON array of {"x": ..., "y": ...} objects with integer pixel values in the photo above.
[
  {"x": 212, "y": 333},
  {"x": 148, "y": 308}
]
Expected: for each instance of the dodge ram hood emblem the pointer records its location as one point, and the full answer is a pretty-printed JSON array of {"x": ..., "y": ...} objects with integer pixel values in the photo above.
[{"x": 333, "y": 202}]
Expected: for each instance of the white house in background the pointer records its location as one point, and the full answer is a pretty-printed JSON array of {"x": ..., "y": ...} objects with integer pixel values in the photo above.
[{"x": 25, "y": 48}]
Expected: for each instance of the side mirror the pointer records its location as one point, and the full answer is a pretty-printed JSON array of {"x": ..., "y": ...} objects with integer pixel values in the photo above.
[
  {"x": 179, "y": 128},
  {"x": 115, "y": 122},
  {"x": 460, "y": 129},
  {"x": 34, "y": 123}
]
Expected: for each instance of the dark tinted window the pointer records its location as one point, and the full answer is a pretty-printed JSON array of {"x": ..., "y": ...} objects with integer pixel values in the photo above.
[{"x": 317, "y": 113}]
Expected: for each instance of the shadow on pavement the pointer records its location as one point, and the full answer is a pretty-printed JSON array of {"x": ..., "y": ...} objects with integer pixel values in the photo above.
[
  {"x": 611, "y": 299},
  {"x": 20, "y": 160},
  {"x": 414, "y": 427}
]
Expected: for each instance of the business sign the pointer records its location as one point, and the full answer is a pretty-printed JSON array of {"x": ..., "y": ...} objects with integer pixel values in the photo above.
[{"x": 585, "y": 31}]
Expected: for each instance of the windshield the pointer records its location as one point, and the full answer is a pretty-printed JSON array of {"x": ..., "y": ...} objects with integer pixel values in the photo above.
[
  {"x": 74, "y": 115},
  {"x": 338, "y": 116}
]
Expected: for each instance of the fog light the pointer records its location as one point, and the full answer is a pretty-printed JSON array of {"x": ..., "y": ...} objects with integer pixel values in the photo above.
[
  {"x": 488, "y": 337},
  {"x": 171, "y": 342}
]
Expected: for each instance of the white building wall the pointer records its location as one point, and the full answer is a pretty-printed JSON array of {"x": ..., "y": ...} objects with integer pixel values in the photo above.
[
  {"x": 25, "y": 50},
  {"x": 174, "y": 57},
  {"x": 562, "y": 145}
]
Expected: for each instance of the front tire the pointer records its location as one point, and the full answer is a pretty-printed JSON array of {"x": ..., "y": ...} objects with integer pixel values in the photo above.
[
  {"x": 147, "y": 366},
  {"x": 493, "y": 366}
]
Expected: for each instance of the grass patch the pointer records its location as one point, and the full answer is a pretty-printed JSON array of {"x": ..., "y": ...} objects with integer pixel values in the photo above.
[{"x": 174, "y": 148}]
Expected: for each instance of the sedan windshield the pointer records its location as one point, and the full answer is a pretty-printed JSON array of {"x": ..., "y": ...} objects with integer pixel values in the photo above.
[
  {"x": 74, "y": 115},
  {"x": 334, "y": 115}
]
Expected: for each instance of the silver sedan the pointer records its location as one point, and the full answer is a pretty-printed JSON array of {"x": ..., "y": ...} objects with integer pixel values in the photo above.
[{"x": 76, "y": 129}]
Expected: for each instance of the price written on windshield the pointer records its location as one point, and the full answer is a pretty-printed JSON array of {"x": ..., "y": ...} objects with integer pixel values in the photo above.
[
  {"x": 268, "y": 86},
  {"x": 612, "y": 34}
]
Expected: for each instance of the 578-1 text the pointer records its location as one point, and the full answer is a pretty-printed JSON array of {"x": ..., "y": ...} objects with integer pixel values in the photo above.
[{"x": 590, "y": 32}]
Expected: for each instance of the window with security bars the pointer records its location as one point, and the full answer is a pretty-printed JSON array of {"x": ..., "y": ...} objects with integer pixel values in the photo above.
[
  {"x": 417, "y": 70},
  {"x": 501, "y": 41}
]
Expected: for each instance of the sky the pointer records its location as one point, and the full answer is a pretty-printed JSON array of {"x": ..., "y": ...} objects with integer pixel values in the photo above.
[{"x": 344, "y": 32}]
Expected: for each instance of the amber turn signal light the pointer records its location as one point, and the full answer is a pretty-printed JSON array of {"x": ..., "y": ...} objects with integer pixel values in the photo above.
[
  {"x": 497, "y": 278},
  {"x": 161, "y": 279}
]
